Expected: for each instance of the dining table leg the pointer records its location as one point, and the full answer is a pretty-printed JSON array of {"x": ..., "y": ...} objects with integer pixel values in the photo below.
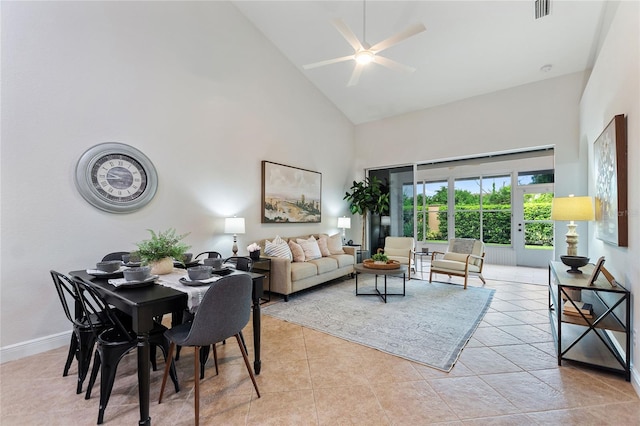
[{"x": 144, "y": 378}]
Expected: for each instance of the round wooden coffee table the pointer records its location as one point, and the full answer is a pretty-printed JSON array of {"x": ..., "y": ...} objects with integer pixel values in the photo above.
[{"x": 401, "y": 271}]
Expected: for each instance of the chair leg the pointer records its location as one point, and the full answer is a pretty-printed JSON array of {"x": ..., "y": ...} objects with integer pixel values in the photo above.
[
  {"x": 167, "y": 367},
  {"x": 94, "y": 374},
  {"x": 215, "y": 357},
  {"x": 86, "y": 343},
  {"x": 110, "y": 360},
  {"x": 465, "y": 281},
  {"x": 196, "y": 378},
  {"x": 73, "y": 348},
  {"x": 482, "y": 279},
  {"x": 204, "y": 356},
  {"x": 247, "y": 364}
]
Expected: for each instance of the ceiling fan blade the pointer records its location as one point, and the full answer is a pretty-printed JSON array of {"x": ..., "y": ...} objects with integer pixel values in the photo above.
[
  {"x": 328, "y": 62},
  {"x": 347, "y": 34},
  {"x": 395, "y": 39},
  {"x": 390, "y": 63},
  {"x": 355, "y": 76}
]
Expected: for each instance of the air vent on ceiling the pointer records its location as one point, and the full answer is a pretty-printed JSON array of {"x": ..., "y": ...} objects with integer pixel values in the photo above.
[{"x": 542, "y": 8}]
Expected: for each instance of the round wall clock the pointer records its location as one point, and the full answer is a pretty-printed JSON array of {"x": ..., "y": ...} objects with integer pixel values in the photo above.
[{"x": 116, "y": 178}]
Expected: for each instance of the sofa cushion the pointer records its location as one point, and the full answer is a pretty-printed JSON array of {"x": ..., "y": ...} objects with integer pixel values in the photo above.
[
  {"x": 334, "y": 243},
  {"x": 456, "y": 257},
  {"x": 278, "y": 248},
  {"x": 343, "y": 260},
  {"x": 310, "y": 247},
  {"x": 323, "y": 244},
  {"x": 296, "y": 251},
  {"x": 302, "y": 270},
  {"x": 325, "y": 264}
]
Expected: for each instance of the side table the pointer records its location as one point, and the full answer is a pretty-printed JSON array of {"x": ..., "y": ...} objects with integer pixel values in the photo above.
[
  {"x": 263, "y": 266},
  {"x": 421, "y": 255}
]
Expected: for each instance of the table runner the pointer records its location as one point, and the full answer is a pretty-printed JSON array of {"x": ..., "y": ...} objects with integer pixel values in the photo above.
[{"x": 194, "y": 294}]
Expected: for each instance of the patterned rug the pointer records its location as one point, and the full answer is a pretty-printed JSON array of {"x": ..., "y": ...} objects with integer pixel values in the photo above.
[{"x": 430, "y": 325}]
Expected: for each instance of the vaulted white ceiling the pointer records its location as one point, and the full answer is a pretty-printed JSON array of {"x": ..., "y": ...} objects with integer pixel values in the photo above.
[{"x": 469, "y": 48}]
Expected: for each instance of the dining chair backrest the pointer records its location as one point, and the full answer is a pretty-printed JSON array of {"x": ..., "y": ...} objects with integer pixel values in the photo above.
[
  {"x": 210, "y": 255},
  {"x": 242, "y": 263},
  {"x": 94, "y": 306},
  {"x": 224, "y": 311},
  {"x": 116, "y": 255},
  {"x": 67, "y": 294}
]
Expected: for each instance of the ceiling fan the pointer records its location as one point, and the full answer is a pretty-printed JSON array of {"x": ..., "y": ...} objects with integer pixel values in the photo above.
[{"x": 365, "y": 54}]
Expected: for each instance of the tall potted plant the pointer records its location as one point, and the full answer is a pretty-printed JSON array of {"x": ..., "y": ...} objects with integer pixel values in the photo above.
[
  {"x": 160, "y": 250},
  {"x": 367, "y": 196}
]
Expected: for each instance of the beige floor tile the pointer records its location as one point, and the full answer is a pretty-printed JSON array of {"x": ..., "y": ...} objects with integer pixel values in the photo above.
[{"x": 506, "y": 375}]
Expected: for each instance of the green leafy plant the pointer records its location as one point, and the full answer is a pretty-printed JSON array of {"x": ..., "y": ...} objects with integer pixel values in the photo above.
[
  {"x": 368, "y": 196},
  {"x": 380, "y": 257},
  {"x": 161, "y": 245}
]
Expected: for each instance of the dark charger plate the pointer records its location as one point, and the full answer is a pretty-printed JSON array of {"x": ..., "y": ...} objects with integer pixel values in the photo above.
[
  {"x": 134, "y": 284},
  {"x": 222, "y": 271},
  {"x": 107, "y": 275}
]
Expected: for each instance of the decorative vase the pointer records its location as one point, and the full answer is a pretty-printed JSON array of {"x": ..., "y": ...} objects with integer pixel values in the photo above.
[
  {"x": 162, "y": 267},
  {"x": 255, "y": 255}
]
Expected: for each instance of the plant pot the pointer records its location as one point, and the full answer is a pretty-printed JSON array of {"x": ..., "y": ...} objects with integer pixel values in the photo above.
[
  {"x": 162, "y": 266},
  {"x": 255, "y": 255}
]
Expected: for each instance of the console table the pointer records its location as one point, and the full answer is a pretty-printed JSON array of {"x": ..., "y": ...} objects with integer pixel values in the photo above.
[{"x": 603, "y": 340}]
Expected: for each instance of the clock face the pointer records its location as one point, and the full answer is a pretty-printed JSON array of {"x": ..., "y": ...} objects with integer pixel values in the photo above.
[{"x": 116, "y": 177}]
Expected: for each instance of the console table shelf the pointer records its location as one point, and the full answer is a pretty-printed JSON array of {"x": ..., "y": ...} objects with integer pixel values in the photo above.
[{"x": 602, "y": 341}]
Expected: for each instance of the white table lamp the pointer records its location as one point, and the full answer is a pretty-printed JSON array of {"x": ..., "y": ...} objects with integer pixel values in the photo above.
[
  {"x": 572, "y": 208},
  {"x": 344, "y": 223},
  {"x": 234, "y": 225}
]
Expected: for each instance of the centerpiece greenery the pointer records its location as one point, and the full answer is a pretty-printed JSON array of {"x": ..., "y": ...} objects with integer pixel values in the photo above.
[
  {"x": 380, "y": 257},
  {"x": 163, "y": 246}
]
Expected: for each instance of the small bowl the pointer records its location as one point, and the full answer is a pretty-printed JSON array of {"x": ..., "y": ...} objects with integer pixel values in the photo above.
[
  {"x": 574, "y": 262},
  {"x": 198, "y": 273},
  {"x": 108, "y": 265},
  {"x": 137, "y": 274}
]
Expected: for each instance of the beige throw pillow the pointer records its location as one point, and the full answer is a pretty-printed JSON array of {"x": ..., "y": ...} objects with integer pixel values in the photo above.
[
  {"x": 296, "y": 251},
  {"x": 334, "y": 243},
  {"x": 322, "y": 244},
  {"x": 310, "y": 247}
]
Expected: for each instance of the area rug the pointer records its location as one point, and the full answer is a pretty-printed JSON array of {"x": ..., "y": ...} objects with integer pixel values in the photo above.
[{"x": 430, "y": 325}]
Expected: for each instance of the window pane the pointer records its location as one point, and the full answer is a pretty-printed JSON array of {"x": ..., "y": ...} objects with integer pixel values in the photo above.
[
  {"x": 496, "y": 191},
  {"x": 407, "y": 210},
  {"x": 538, "y": 206},
  {"x": 538, "y": 234},
  {"x": 467, "y": 224},
  {"x": 435, "y": 202},
  {"x": 532, "y": 178},
  {"x": 496, "y": 227}
]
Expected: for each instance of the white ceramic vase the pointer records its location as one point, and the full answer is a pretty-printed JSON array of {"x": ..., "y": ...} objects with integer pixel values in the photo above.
[{"x": 162, "y": 266}]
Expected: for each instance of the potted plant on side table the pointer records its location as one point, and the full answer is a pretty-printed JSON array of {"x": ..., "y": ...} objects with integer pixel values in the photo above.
[{"x": 161, "y": 249}]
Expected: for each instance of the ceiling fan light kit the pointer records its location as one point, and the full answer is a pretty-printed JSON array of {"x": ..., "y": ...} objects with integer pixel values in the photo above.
[{"x": 363, "y": 54}]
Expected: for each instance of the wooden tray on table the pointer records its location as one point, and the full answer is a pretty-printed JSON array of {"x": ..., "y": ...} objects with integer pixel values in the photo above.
[{"x": 391, "y": 264}]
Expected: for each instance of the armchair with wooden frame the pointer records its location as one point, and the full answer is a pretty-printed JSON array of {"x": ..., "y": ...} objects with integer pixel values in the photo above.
[
  {"x": 464, "y": 257},
  {"x": 400, "y": 249}
]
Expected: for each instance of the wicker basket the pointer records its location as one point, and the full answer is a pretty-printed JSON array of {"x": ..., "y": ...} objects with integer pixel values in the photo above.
[{"x": 391, "y": 264}]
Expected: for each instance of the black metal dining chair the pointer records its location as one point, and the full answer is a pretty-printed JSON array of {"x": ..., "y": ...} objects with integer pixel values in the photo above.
[
  {"x": 116, "y": 255},
  {"x": 83, "y": 337},
  {"x": 241, "y": 263},
  {"x": 114, "y": 342},
  {"x": 210, "y": 255},
  {"x": 223, "y": 313}
]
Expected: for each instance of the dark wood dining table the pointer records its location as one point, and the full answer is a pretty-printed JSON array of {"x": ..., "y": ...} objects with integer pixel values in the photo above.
[{"x": 143, "y": 304}]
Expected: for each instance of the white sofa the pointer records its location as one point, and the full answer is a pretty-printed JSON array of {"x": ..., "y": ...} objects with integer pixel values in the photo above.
[{"x": 287, "y": 277}]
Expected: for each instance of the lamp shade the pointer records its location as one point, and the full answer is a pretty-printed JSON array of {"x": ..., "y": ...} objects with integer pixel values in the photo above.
[
  {"x": 572, "y": 208},
  {"x": 234, "y": 225},
  {"x": 344, "y": 222},
  {"x": 385, "y": 220}
]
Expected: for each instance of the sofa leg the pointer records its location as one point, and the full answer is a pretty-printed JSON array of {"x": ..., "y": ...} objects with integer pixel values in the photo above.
[{"x": 286, "y": 297}]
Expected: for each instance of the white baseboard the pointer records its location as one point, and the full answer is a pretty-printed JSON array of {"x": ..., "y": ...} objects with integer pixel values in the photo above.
[{"x": 35, "y": 346}]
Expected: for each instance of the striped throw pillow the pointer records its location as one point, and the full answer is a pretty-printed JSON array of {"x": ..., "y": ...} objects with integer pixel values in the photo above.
[{"x": 278, "y": 248}]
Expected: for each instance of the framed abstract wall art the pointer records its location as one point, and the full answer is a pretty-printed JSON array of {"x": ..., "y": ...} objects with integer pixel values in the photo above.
[
  {"x": 610, "y": 169},
  {"x": 290, "y": 194}
]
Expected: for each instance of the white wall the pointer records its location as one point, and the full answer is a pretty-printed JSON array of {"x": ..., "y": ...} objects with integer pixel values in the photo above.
[
  {"x": 614, "y": 88},
  {"x": 191, "y": 84}
]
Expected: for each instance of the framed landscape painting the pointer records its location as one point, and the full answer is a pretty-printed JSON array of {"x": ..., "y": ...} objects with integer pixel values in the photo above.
[
  {"x": 610, "y": 169},
  {"x": 290, "y": 194}
]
